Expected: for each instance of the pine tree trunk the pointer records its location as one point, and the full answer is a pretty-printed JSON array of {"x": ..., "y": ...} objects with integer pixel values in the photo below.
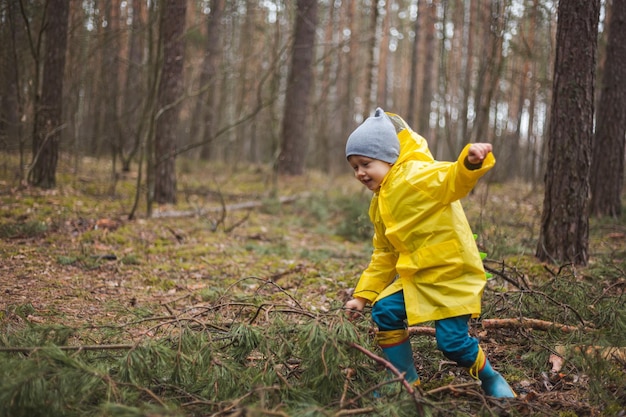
[
  {"x": 371, "y": 63},
  {"x": 430, "y": 13},
  {"x": 350, "y": 74},
  {"x": 135, "y": 88},
  {"x": 529, "y": 165},
  {"x": 564, "y": 231},
  {"x": 607, "y": 165},
  {"x": 48, "y": 110},
  {"x": 411, "y": 114},
  {"x": 468, "y": 68},
  {"x": 169, "y": 98},
  {"x": 11, "y": 102},
  {"x": 207, "y": 102},
  {"x": 382, "y": 87},
  {"x": 294, "y": 132},
  {"x": 112, "y": 135}
]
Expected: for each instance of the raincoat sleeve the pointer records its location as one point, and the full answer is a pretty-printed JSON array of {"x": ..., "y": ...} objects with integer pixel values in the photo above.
[
  {"x": 449, "y": 181},
  {"x": 381, "y": 270}
]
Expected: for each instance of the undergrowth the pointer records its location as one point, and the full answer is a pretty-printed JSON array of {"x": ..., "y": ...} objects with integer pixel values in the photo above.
[{"x": 276, "y": 358}]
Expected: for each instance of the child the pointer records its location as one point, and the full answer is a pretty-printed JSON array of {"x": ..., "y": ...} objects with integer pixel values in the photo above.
[{"x": 425, "y": 264}]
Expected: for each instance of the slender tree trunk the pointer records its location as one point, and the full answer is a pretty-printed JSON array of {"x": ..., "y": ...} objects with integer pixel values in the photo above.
[
  {"x": 112, "y": 134},
  {"x": 371, "y": 62},
  {"x": 411, "y": 113},
  {"x": 490, "y": 68},
  {"x": 350, "y": 76},
  {"x": 382, "y": 98},
  {"x": 451, "y": 85},
  {"x": 237, "y": 149},
  {"x": 564, "y": 230},
  {"x": 95, "y": 92},
  {"x": 297, "y": 99},
  {"x": 206, "y": 106},
  {"x": 49, "y": 108},
  {"x": 343, "y": 120},
  {"x": 517, "y": 106},
  {"x": 326, "y": 94},
  {"x": 147, "y": 145},
  {"x": 430, "y": 19},
  {"x": 135, "y": 88},
  {"x": 471, "y": 11},
  {"x": 530, "y": 156},
  {"x": 607, "y": 164},
  {"x": 169, "y": 98},
  {"x": 11, "y": 102}
]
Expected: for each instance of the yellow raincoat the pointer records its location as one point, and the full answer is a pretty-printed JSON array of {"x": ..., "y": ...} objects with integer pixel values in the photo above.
[{"x": 423, "y": 243}]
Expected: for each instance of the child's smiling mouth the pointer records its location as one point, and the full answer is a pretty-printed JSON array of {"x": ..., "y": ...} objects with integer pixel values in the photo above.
[{"x": 368, "y": 182}]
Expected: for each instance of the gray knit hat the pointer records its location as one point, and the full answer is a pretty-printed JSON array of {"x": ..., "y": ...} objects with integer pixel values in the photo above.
[{"x": 375, "y": 138}]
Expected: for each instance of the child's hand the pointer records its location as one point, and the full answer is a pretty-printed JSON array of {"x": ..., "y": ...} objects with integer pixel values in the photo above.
[
  {"x": 477, "y": 152},
  {"x": 354, "y": 307}
]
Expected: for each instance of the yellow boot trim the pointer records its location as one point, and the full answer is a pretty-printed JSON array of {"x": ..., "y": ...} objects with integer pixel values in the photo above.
[
  {"x": 479, "y": 363},
  {"x": 389, "y": 338}
]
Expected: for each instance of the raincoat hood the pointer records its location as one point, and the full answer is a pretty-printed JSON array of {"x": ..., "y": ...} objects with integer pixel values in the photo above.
[{"x": 412, "y": 145}]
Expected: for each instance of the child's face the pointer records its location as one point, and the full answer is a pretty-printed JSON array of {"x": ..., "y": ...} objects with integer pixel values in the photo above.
[{"x": 369, "y": 171}]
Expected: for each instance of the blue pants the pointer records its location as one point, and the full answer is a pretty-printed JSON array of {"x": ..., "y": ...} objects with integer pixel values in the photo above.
[{"x": 452, "y": 334}]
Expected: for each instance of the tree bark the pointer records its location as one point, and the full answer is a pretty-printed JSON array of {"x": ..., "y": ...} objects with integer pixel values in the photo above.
[
  {"x": 411, "y": 114},
  {"x": 49, "y": 108},
  {"x": 169, "y": 98},
  {"x": 294, "y": 132},
  {"x": 468, "y": 68},
  {"x": 371, "y": 63},
  {"x": 112, "y": 135},
  {"x": 11, "y": 102},
  {"x": 203, "y": 129},
  {"x": 430, "y": 19},
  {"x": 530, "y": 159},
  {"x": 350, "y": 74},
  {"x": 383, "y": 81},
  {"x": 564, "y": 230},
  {"x": 135, "y": 88},
  {"x": 607, "y": 163}
]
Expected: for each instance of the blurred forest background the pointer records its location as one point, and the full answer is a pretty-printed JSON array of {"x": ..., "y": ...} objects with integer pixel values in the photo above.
[
  {"x": 209, "y": 80},
  {"x": 457, "y": 71},
  {"x": 282, "y": 84}
]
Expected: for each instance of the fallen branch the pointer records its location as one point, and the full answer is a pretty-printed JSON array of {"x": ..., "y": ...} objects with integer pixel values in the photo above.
[
  {"x": 349, "y": 374},
  {"x": 422, "y": 330},
  {"x": 454, "y": 388},
  {"x": 525, "y": 323},
  {"x": 30, "y": 349},
  {"x": 417, "y": 396},
  {"x": 509, "y": 323},
  {"x": 387, "y": 365},
  {"x": 523, "y": 285},
  {"x": 246, "y": 205},
  {"x": 355, "y": 412}
]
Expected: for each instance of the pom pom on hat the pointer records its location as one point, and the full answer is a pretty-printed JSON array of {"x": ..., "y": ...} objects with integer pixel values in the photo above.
[{"x": 375, "y": 138}]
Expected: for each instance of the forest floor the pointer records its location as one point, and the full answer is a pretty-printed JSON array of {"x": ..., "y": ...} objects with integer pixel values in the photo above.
[{"x": 72, "y": 259}]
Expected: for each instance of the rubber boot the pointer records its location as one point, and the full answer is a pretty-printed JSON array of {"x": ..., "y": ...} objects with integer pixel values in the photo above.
[
  {"x": 397, "y": 349},
  {"x": 493, "y": 383}
]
